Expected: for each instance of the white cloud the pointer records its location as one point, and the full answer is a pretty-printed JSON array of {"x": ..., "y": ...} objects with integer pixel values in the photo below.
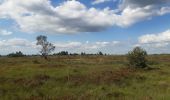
[
  {"x": 130, "y": 16},
  {"x": 16, "y": 42},
  {"x": 116, "y": 47},
  {"x": 142, "y": 3},
  {"x": 159, "y": 40},
  {"x": 155, "y": 38},
  {"x": 68, "y": 45},
  {"x": 73, "y": 17},
  {"x": 30, "y": 47},
  {"x": 68, "y": 17},
  {"x": 19, "y": 42},
  {"x": 5, "y": 32},
  {"x": 99, "y": 1},
  {"x": 159, "y": 45},
  {"x": 99, "y": 44},
  {"x": 86, "y": 45}
]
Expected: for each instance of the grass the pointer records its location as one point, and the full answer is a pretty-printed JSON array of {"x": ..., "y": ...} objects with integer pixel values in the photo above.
[{"x": 83, "y": 78}]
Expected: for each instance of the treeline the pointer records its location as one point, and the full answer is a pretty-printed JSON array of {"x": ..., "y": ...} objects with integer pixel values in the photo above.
[
  {"x": 62, "y": 53},
  {"x": 82, "y": 53},
  {"x": 16, "y": 54}
]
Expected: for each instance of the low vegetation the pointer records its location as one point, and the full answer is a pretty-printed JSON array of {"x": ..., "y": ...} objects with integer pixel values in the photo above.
[{"x": 87, "y": 77}]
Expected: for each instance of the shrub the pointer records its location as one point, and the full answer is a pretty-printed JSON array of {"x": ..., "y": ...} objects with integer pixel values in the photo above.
[{"x": 137, "y": 58}]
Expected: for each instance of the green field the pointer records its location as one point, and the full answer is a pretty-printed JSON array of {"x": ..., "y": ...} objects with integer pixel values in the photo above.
[{"x": 83, "y": 78}]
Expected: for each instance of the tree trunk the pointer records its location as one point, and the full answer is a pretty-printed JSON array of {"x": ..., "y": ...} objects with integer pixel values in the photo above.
[{"x": 45, "y": 57}]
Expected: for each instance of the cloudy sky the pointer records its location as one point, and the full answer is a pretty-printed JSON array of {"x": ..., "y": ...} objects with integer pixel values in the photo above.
[{"x": 110, "y": 26}]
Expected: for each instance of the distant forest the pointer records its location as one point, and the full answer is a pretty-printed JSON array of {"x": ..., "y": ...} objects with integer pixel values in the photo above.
[{"x": 62, "y": 53}]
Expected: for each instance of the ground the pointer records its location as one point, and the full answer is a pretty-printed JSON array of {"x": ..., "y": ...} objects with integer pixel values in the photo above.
[{"x": 83, "y": 78}]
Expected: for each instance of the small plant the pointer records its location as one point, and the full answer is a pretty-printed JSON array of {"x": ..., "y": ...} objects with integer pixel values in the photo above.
[{"x": 137, "y": 58}]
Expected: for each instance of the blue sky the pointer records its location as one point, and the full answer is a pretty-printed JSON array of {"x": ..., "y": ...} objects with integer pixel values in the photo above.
[{"x": 110, "y": 26}]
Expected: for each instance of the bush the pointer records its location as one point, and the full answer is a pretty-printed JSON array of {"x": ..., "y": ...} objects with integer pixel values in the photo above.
[{"x": 137, "y": 58}]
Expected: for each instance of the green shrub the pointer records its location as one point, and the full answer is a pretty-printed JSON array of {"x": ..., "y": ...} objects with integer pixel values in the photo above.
[{"x": 137, "y": 58}]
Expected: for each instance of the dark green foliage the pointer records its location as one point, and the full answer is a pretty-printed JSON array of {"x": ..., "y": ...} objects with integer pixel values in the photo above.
[
  {"x": 137, "y": 58},
  {"x": 17, "y": 54},
  {"x": 74, "y": 54},
  {"x": 63, "y": 53},
  {"x": 83, "y": 53},
  {"x": 100, "y": 53}
]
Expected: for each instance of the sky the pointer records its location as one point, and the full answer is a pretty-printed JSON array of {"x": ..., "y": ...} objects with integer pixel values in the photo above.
[{"x": 110, "y": 26}]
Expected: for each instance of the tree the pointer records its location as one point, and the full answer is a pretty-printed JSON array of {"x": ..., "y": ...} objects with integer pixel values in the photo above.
[
  {"x": 137, "y": 58},
  {"x": 47, "y": 47},
  {"x": 83, "y": 53},
  {"x": 100, "y": 53},
  {"x": 17, "y": 54},
  {"x": 63, "y": 53}
]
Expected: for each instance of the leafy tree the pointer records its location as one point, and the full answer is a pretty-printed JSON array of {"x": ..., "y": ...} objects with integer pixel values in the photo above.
[
  {"x": 74, "y": 54},
  {"x": 137, "y": 58},
  {"x": 47, "y": 47},
  {"x": 17, "y": 54},
  {"x": 63, "y": 53},
  {"x": 83, "y": 53},
  {"x": 100, "y": 53}
]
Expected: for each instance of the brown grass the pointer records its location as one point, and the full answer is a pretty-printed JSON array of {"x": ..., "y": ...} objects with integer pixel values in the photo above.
[
  {"x": 103, "y": 77},
  {"x": 33, "y": 82}
]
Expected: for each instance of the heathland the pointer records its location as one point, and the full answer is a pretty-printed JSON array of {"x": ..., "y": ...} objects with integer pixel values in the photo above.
[{"x": 83, "y": 78}]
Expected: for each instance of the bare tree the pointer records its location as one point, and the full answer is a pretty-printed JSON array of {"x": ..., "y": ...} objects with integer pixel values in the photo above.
[{"x": 47, "y": 47}]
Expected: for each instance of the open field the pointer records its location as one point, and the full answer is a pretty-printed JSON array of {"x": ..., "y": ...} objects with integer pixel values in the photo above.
[{"x": 83, "y": 78}]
